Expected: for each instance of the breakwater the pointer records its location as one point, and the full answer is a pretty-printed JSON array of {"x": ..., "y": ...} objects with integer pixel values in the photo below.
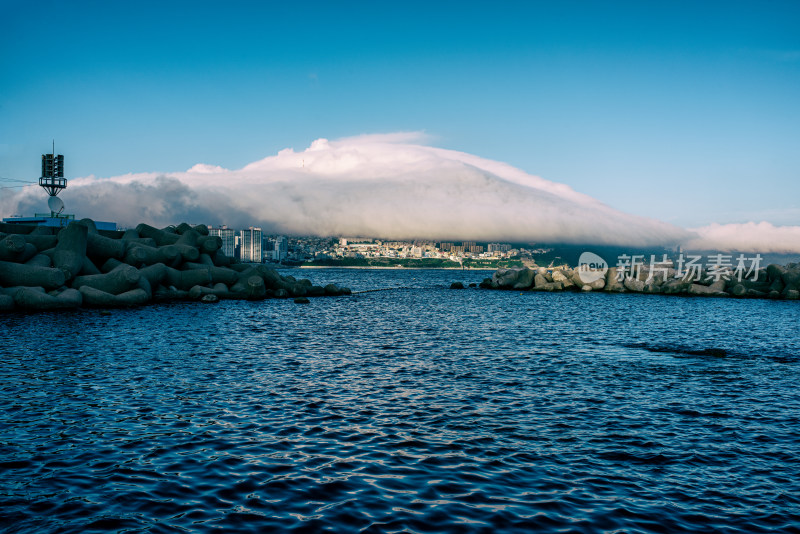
[
  {"x": 44, "y": 268},
  {"x": 772, "y": 282}
]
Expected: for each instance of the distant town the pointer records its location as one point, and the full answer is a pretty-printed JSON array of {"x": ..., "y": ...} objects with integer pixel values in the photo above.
[{"x": 251, "y": 245}]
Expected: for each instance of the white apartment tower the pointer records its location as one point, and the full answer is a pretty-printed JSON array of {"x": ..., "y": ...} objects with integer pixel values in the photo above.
[
  {"x": 228, "y": 236},
  {"x": 250, "y": 245}
]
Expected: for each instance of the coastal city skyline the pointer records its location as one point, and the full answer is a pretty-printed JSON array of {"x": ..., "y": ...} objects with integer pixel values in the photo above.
[{"x": 636, "y": 123}]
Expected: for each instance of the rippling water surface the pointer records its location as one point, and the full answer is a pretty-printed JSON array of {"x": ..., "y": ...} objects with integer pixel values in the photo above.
[{"x": 416, "y": 409}]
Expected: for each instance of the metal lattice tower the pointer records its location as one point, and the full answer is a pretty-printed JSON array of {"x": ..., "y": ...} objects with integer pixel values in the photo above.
[{"x": 52, "y": 179}]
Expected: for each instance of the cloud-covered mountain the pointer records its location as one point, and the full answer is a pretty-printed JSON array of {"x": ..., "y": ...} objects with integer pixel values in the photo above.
[{"x": 385, "y": 186}]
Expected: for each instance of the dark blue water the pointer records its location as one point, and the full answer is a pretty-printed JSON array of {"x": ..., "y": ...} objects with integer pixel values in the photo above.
[{"x": 414, "y": 409}]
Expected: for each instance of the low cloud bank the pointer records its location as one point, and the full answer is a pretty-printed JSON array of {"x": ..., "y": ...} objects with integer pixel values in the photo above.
[
  {"x": 384, "y": 186},
  {"x": 753, "y": 237}
]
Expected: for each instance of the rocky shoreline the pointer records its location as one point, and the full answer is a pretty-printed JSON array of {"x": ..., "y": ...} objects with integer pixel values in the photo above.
[
  {"x": 43, "y": 268},
  {"x": 772, "y": 282}
]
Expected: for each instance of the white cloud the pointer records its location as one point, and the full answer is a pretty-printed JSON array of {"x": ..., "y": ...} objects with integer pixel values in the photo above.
[
  {"x": 388, "y": 186},
  {"x": 754, "y": 237}
]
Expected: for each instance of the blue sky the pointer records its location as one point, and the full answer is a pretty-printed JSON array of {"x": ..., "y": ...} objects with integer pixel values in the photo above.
[{"x": 683, "y": 111}]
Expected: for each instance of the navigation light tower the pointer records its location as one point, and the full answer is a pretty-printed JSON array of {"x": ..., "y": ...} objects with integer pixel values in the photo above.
[{"x": 52, "y": 179}]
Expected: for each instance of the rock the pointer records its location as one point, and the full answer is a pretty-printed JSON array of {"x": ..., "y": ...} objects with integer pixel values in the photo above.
[
  {"x": 586, "y": 287},
  {"x": 315, "y": 291},
  {"x": 598, "y": 284},
  {"x": 676, "y": 286},
  {"x": 739, "y": 290},
  {"x": 301, "y": 300},
  {"x": 701, "y": 290},
  {"x": 333, "y": 290},
  {"x": 473, "y": 284},
  {"x": 652, "y": 286},
  {"x": 563, "y": 277},
  {"x": 718, "y": 286},
  {"x": 634, "y": 284},
  {"x": 505, "y": 278},
  {"x": 791, "y": 278},
  {"x": 549, "y": 286},
  {"x": 456, "y": 285},
  {"x": 209, "y": 299},
  {"x": 792, "y": 294},
  {"x": 777, "y": 285},
  {"x": 775, "y": 272},
  {"x": 539, "y": 281},
  {"x": 512, "y": 278},
  {"x": 486, "y": 283},
  {"x": 524, "y": 279},
  {"x": 612, "y": 284},
  {"x": 575, "y": 276}
]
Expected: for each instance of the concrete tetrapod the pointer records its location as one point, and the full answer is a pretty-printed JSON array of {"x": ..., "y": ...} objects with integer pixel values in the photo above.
[
  {"x": 29, "y": 299},
  {"x": 119, "y": 280},
  {"x": 19, "y": 274},
  {"x": 98, "y": 298},
  {"x": 45, "y": 268},
  {"x": 71, "y": 250}
]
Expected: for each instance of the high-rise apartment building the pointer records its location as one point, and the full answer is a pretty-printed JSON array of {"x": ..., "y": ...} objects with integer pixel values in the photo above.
[
  {"x": 250, "y": 245},
  {"x": 228, "y": 236}
]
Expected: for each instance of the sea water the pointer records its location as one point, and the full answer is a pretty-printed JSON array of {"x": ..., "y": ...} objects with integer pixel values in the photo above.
[{"x": 415, "y": 408}]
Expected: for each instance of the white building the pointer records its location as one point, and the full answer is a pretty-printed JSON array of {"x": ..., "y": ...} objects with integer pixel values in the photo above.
[
  {"x": 250, "y": 245},
  {"x": 228, "y": 236}
]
